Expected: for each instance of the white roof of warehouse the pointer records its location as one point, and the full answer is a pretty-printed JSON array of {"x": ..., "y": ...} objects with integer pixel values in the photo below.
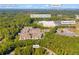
[{"x": 40, "y": 15}]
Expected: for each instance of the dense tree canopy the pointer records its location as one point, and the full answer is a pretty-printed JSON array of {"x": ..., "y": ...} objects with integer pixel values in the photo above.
[{"x": 12, "y": 21}]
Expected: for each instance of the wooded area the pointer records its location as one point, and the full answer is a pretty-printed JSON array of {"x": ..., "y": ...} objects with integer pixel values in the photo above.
[{"x": 12, "y": 22}]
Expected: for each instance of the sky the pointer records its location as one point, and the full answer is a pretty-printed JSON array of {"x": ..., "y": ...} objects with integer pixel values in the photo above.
[{"x": 39, "y": 6}]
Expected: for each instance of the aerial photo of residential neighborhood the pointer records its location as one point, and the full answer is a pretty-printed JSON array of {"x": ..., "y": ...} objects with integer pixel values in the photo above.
[{"x": 39, "y": 29}]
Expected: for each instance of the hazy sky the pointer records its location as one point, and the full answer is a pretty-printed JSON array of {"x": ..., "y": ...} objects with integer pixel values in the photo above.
[{"x": 38, "y": 6}]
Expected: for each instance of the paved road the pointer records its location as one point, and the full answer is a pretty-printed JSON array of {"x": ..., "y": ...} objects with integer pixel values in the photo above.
[
  {"x": 66, "y": 32},
  {"x": 50, "y": 51},
  {"x": 0, "y": 41},
  {"x": 11, "y": 53}
]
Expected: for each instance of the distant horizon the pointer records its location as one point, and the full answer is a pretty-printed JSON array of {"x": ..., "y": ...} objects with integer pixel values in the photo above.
[{"x": 39, "y": 6}]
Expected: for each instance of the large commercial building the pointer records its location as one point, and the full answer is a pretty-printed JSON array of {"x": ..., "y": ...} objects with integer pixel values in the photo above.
[
  {"x": 30, "y": 33},
  {"x": 40, "y": 15},
  {"x": 47, "y": 23},
  {"x": 56, "y": 23},
  {"x": 68, "y": 22}
]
